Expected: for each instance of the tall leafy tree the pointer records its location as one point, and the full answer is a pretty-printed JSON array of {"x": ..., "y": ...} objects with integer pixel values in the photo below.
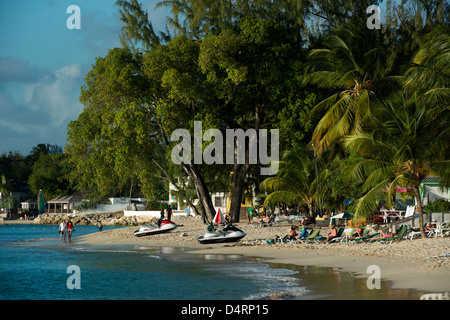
[
  {"x": 352, "y": 69},
  {"x": 405, "y": 144},
  {"x": 113, "y": 138},
  {"x": 429, "y": 72},
  {"x": 137, "y": 33},
  {"x": 257, "y": 73},
  {"x": 51, "y": 174}
]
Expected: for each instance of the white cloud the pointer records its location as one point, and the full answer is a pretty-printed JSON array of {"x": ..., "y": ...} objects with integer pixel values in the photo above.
[
  {"x": 56, "y": 94},
  {"x": 38, "y": 111}
]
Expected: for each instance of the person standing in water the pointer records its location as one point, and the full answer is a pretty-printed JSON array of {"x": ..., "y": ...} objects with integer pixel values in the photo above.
[
  {"x": 70, "y": 229},
  {"x": 63, "y": 230}
]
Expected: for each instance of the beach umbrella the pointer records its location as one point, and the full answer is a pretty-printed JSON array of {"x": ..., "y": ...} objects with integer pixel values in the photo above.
[
  {"x": 342, "y": 215},
  {"x": 41, "y": 202},
  {"x": 219, "y": 217}
]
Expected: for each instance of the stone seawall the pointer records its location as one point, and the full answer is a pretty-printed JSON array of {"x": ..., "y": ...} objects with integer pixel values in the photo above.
[{"x": 106, "y": 219}]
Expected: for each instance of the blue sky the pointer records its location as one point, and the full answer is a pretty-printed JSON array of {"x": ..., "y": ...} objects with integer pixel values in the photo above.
[{"x": 43, "y": 64}]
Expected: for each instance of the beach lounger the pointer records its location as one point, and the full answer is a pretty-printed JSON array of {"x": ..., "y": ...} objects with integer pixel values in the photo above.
[
  {"x": 366, "y": 238},
  {"x": 399, "y": 236},
  {"x": 413, "y": 233},
  {"x": 441, "y": 228},
  {"x": 268, "y": 224},
  {"x": 339, "y": 237},
  {"x": 313, "y": 236}
]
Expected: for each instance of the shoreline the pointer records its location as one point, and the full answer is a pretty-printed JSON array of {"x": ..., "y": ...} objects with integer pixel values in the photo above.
[{"x": 404, "y": 264}]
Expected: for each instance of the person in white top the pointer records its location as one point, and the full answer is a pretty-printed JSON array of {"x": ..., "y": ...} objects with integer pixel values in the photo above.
[{"x": 63, "y": 229}]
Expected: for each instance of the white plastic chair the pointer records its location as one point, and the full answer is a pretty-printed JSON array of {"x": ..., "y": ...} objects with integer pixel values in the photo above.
[{"x": 440, "y": 229}]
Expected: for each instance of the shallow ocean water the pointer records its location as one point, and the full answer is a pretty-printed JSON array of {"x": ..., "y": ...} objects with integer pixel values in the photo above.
[{"x": 34, "y": 265}]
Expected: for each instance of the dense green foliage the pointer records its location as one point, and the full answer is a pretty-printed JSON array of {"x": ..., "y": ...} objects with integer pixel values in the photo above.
[{"x": 359, "y": 110}]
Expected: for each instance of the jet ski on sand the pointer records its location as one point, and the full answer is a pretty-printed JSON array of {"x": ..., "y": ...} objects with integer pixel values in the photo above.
[
  {"x": 229, "y": 233},
  {"x": 146, "y": 230}
]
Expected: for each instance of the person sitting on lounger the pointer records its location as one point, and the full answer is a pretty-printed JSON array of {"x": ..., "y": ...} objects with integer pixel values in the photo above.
[
  {"x": 384, "y": 235},
  {"x": 431, "y": 225},
  {"x": 292, "y": 233},
  {"x": 357, "y": 234},
  {"x": 332, "y": 234}
]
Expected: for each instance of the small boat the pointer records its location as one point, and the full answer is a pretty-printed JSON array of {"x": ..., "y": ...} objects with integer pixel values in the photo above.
[
  {"x": 150, "y": 229},
  {"x": 228, "y": 234}
]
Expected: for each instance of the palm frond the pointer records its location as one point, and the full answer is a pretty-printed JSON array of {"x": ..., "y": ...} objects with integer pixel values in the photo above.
[{"x": 365, "y": 205}]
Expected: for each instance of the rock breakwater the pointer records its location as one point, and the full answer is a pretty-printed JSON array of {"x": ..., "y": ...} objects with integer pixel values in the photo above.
[{"x": 106, "y": 219}]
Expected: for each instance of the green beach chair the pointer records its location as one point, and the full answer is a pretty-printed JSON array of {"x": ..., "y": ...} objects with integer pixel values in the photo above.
[
  {"x": 399, "y": 236},
  {"x": 338, "y": 237},
  {"x": 312, "y": 236},
  {"x": 366, "y": 238}
]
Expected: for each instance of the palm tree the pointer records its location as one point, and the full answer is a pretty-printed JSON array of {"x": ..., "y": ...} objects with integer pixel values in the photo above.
[
  {"x": 354, "y": 69},
  {"x": 403, "y": 144},
  {"x": 429, "y": 73},
  {"x": 296, "y": 181}
]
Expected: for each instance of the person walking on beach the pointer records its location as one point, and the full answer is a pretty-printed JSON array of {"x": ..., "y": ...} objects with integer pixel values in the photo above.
[
  {"x": 63, "y": 230},
  {"x": 100, "y": 226},
  {"x": 70, "y": 229}
]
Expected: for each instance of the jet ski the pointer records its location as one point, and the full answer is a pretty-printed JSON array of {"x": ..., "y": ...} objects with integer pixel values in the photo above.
[
  {"x": 228, "y": 234},
  {"x": 153, "y": 228}
]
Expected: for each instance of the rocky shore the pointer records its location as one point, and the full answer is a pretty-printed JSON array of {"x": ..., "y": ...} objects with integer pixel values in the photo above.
[{"x": 106, "y": 219}]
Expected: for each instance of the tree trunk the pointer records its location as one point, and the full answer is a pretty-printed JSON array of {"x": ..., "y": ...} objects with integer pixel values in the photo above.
[
  {"x": 240, "y": 172},
  {"x": 419, "y": 210},
  {"x": 310, "y": 207},
  {"x": 202, "y": 191}
]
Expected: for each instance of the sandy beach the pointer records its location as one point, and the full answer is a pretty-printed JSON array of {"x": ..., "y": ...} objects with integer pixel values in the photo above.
[{"x": 405, "y": 263}]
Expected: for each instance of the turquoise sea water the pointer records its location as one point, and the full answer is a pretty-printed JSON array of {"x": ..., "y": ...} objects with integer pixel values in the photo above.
[{"x": 34, "y": 266}]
